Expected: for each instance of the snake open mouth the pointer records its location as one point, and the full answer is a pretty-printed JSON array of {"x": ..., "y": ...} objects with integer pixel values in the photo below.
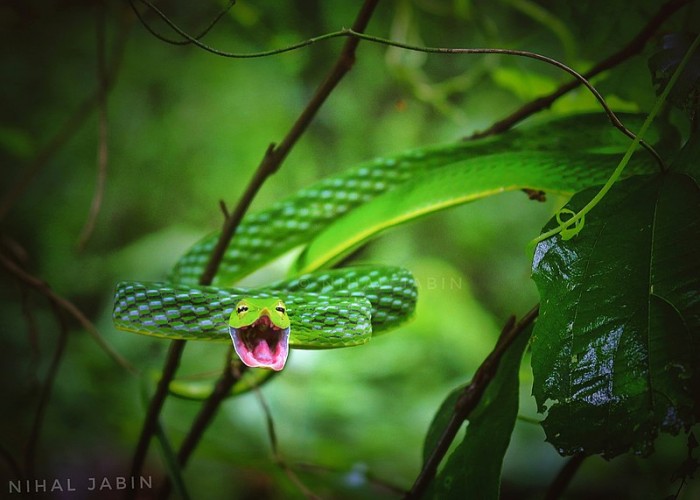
[{"x": 261, "y": 344}]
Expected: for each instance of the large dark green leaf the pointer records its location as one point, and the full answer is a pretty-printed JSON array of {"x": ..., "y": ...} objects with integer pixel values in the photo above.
[
  {"x": 473, "y": 470},
  {"x": 616, "y": 348}
]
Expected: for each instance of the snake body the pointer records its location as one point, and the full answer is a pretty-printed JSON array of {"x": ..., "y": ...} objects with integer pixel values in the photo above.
[
  {"x": 347, "y": 306},
  {"x": 565, "y": 156},
  {"x": 342, "y": 307}
]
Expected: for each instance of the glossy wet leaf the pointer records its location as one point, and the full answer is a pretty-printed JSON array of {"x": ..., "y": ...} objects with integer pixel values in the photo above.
[
  {"x": 473, "y": 470},
  {"x": 616, "y": 346}
]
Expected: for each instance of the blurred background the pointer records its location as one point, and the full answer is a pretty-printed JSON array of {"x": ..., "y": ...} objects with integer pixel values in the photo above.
[{"x": 185, "y": 129}]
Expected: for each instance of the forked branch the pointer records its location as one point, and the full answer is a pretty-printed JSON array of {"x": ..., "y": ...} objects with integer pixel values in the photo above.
[{"x": 273, "y": 158}]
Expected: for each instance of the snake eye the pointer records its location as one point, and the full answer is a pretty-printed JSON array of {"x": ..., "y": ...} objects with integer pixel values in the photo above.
[
  {"x": 279, "y": 309},
  {"x": 241, "y": 309}
]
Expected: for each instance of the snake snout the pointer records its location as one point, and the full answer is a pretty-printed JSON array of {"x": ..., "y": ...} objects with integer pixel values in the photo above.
[{"x": 261, "y": 344}]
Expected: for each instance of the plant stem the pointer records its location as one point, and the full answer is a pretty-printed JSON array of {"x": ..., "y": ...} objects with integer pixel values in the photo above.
[{"x": 202, "y": 421}]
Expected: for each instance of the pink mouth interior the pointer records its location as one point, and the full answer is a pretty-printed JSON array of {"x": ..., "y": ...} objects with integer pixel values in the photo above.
[{"x": 261, "y": 344}]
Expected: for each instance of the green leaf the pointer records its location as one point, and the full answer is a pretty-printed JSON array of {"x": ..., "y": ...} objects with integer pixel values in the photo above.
[
  {"x": 617, "y": 345},
  {"x": 473, "y": 470}
]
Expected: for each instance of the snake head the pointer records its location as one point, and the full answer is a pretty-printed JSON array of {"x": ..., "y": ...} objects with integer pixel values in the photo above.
[{"x": 259, "y": 328}]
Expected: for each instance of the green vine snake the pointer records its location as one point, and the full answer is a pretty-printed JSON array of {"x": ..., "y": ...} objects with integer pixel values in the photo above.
[{"x": 317, "y": 309}]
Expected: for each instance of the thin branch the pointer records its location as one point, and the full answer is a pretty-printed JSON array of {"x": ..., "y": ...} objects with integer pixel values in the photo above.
[
  {"x": 174, "y": 469},
  {"x": 632, "y": 48},
  {"x": 224, "y": 209},
  {"x": 561, "y": 482},
  {"x": 67, "y": 131},
  {"x": 102, "y": 146},
  {"x": 186, "y": 41},
  {"x": 469, "y": 399},
  {"x": 66, "y": 305}
]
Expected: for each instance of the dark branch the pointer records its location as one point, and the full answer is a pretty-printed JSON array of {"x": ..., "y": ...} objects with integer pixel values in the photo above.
[{"x": 469, "y": 399}]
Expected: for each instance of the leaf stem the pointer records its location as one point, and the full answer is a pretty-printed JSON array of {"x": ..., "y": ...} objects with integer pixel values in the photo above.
[{"x": 150, "y": 423}]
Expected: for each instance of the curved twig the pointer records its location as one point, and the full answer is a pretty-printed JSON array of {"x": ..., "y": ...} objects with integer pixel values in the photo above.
[
  {"x": 279, "y": 459},
  {"x": 186, "y": 41}
]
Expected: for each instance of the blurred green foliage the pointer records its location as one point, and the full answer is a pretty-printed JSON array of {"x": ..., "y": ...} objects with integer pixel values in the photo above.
[{"x": 186, "y": 129}]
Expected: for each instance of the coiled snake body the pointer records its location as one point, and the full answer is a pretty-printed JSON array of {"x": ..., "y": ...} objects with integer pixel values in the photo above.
[{"x": 347, "y": 306}]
